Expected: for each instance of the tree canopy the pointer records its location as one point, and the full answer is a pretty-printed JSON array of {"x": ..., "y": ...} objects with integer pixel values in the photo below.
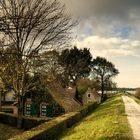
[
  {"x": 104, "y": 70},
  {"x": 30, "y": 27},
  {"x": 76, "y": 63}
]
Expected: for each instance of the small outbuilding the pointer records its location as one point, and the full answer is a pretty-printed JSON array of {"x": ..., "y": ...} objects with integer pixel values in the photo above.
[{"x": 91, "y": 96}]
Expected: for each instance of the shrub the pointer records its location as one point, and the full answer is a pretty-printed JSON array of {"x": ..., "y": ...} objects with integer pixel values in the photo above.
[
  {"x": 137, "y": 93},
  {"x": 104, "y": 97},
  {"x": 9, "y": 119},
  {"x": 74, "y": 119},
  {"x": 28, "y": 123},
  {"x": 91, "y": 107},
  {"x": 52, "y": 129},
  {"x": 84, "y": 111}
]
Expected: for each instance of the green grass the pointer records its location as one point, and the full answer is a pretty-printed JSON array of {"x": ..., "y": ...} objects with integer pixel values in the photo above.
[
  {"x": 107, "y": 122},
  {"x": 134, "y": 98},
  {"x": 7, "y": 132}
]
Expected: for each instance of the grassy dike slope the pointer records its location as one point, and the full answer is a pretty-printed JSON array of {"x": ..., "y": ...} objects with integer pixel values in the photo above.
[
  {"x": 107, "y": 122},
  {"x": 134, "y": 98}
]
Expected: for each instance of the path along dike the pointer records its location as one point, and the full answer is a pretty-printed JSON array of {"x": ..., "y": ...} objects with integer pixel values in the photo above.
[{"x": 133, "y": 114}]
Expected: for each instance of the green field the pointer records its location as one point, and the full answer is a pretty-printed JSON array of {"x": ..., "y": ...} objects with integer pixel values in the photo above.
[
  {"x": 107, "y": 122},
  {"x": 7, "y": 132}
]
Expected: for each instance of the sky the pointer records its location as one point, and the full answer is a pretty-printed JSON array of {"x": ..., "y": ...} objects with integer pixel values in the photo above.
[{"x": 111, "y": 29}]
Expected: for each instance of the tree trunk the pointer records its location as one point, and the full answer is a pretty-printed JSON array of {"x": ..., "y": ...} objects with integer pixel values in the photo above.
[
  {"x": 19, "y": 122},
  {"x": 0, "y": 101},
  {"x": 20, "y": 112},
  {"x": 102, "y": 87}
]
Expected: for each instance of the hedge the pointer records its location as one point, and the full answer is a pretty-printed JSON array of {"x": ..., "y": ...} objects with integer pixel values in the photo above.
[
  {"x": 9, "y": 119},
  {"x": 52, "y": 129},
  {"x": 28, "y": 123}
]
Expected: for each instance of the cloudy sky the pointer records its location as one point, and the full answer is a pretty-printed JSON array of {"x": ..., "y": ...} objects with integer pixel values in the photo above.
[{"x": 111, "y": 29}]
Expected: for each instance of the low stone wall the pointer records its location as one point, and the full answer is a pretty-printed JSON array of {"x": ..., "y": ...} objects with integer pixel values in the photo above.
[
  {"x": 52, "y": 129},
  {"x": 28, "y": 123}
]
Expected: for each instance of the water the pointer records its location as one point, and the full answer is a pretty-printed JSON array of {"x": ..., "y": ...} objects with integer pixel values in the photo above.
[
  {"x": 131, "y": 92},
  {"x": 128, "y": 91}
]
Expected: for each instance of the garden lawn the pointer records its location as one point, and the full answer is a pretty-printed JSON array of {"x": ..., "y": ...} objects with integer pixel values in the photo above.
[
  {"x": 7, "y": 132},
  {"x": 107, "y": 122}
]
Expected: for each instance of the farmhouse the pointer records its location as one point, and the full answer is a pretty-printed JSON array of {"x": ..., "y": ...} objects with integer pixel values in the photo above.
[
  {"x": 8, "y": 99},
  {"x": 54, "y": 101}
]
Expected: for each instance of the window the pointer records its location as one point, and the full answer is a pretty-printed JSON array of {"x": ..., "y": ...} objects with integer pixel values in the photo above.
[
  {"x": 89, "y": 95},
  {"x": 28, "y": 109},
  {"x": 43, "y": 109}
]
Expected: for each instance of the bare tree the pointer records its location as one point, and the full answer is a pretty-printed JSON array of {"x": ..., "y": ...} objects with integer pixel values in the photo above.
[
  {"x": 30, "y": 27},
  {"x": 48, "y": 65}
]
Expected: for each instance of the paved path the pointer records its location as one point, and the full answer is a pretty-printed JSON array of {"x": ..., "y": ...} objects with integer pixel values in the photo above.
[{"x": 133, "y": 114}]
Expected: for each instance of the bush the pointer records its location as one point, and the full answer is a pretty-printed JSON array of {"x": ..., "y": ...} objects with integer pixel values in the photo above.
[
  {"x": 84, "y": 111},
  {"x": 104, "y": 97},
  {"x": 137, "y": 93},
  {"x": 74, "y": 119},
  {"x": 28, "y": 123},
  {"x": 52, "y": 129},
  {"x": 91, "y": 107},
  {"x": 9, "y": 119}
]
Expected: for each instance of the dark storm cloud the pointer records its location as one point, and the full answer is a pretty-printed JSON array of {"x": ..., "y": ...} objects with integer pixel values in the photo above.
[
  {"x": 107, "y": 14},
  {"x": 104, "y": 8}
]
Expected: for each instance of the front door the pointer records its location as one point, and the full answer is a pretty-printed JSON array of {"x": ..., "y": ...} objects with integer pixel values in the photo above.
[{"x": 49, "y": 111}]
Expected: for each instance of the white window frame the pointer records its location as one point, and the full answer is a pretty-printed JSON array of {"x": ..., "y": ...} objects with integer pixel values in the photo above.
[
  {"x": 27, "y": 113},
  {"x": 45, "y": 107}
]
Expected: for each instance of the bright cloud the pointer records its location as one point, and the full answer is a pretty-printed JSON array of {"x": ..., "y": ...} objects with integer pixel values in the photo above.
[{"x": 110, "y": 47}]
